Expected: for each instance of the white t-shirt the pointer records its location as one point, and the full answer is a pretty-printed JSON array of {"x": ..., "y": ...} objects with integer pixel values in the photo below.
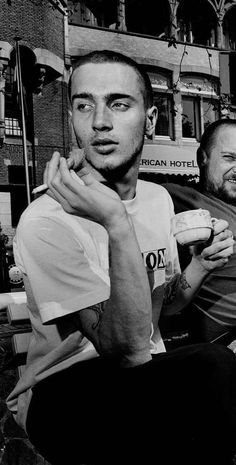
[{"x": 64, "y": 260}]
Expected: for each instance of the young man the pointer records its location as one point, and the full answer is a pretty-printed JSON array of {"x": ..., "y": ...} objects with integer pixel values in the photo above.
[
  {"x": 99, "y": 258},
  {"x": 212, "y": 313}
]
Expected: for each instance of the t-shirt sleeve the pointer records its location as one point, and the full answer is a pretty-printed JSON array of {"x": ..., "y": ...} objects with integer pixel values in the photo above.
[{"x": 60, "y": 275}]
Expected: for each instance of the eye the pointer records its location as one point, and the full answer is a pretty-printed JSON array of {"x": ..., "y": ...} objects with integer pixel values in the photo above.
[
  {"x": 229, "y": 157},
  {"x": 84, "y": 107},
  {"x": 120, "y": 106}
]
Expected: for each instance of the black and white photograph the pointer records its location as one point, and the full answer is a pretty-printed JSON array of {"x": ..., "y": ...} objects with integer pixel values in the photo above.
[{"x": 117, "y": 232}]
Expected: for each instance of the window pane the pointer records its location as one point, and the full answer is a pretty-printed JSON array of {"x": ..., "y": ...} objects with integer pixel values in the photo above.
[
  {"x": 210, "y": 112},
  {"x": 12, "y": 127},
  {"x": 164, "y": 121},
  {"x": 189, "y": 123}
]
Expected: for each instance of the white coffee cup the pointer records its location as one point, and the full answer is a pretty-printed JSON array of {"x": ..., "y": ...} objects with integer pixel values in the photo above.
[{"x": 192, "y": 226}]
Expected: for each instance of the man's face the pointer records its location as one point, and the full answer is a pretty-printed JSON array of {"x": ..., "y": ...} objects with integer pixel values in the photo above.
[
  {"x": 108, "y": 115},
  {"x": 221, "y": 165}
]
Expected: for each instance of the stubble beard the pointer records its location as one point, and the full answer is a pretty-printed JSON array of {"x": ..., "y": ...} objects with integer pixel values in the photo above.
[
  {"x": 221, "y": 192},
  {"x": 116, "y": 173}
]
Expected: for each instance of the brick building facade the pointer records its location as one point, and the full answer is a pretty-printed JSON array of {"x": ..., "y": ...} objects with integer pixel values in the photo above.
[{"x": 40, "y": 29}]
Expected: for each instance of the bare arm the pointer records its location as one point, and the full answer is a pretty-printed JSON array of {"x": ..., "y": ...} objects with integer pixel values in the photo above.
[
  {"x": 120, "y": 327},
  {"x": 183, "y": 287}
]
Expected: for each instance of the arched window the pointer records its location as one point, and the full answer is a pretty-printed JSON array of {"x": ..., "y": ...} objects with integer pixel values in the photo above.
[
  {"x": 101, "y": 13},
  {"x": 197, "y": 22},
  {"x": 149, "y": 17}
]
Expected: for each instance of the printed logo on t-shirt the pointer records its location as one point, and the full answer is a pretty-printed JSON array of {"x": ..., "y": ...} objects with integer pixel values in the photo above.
[{"x": 154, "y": 259}]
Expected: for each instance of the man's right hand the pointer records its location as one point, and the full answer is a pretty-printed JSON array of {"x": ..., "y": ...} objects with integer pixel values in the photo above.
[{"x": 81, "y": 194}]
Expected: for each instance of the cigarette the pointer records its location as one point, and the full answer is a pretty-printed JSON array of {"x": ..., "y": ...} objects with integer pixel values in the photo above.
[{"x": 41, "y": 188}]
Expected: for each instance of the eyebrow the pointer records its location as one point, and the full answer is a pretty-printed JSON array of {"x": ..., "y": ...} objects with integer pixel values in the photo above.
[{"x": 109, "y": 97}]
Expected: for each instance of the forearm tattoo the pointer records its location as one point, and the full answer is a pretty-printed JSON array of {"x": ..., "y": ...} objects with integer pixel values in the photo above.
[
  {"x": 171, "y": 288},
  {"x": 98, "y": 311}
]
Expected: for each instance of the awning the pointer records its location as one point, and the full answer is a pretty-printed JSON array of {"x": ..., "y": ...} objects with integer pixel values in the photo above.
[{"x": 169, "y": 159}]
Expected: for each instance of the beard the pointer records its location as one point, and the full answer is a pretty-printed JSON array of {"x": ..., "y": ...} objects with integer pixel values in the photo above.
[
  {"x": 221, "y": 192},
  {"x": 116, "y": 173},
  {"x": 113, "y": 173}
]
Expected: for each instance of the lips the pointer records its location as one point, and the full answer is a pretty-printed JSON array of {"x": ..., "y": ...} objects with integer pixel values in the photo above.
[
  {"x": 105, "y": 141},
  {"x": 104, "y": 146}
]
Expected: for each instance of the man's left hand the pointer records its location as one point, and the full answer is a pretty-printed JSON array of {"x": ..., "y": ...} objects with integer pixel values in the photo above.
[{"x": 216, "y": 252}]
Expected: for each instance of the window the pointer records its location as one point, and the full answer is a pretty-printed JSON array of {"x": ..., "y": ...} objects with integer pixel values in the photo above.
[
  {"x": 200, "y": 104},
  {"x": 164, "y": 126},
  {"x": 163, "y": 99},
  {"x": 12, "y": 114},
  {"x": 190, "y": 117}
]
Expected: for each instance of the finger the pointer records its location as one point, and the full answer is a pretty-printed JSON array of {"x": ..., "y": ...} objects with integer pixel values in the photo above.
[
  {"x": 219, "y": 226},
  {"x": 84, "y": 174},
  {"x": 68, "y": 191},
  {"x": 223, "y": 235},
  {"x": 226, "y": 253},
  {"x": 218, "y": 248},
  {"x": 62, "y": 195},
  {"x": 45, "y": 174},
  {"x": 76, "y": 159},
  {"x": 213, "y": 265},
  {"x": 53, "y": 166}
]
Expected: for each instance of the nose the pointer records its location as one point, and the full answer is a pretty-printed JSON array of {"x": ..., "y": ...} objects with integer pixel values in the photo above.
[{"x": 102, "y": 119}]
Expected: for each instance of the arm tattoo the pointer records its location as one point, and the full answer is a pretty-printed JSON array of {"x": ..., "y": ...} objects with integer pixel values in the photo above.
[
  {"x": 171, "y": 288},
  {"x": 183, "y": 281},
  {"x": 98, "y": 311}
]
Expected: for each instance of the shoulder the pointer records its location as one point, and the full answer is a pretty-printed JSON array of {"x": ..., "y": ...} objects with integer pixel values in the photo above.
[
  {"x": 184, "y": 197},
  {"x": 146, "y": 188},
  {"x": 155, "y": 198},
  {"x": 43, "y": 206},
  {"x": 43, "y": 218}
]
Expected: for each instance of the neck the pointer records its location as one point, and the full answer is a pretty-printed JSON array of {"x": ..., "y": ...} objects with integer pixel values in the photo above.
[
  {"x": 123, "y": 184},
  {"x": 126, "y": 188}
]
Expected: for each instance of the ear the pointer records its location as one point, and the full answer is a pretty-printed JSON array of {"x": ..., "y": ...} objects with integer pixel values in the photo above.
[
  {"x": 202, "y": 157},
  {"x": 151, "y": 119}
]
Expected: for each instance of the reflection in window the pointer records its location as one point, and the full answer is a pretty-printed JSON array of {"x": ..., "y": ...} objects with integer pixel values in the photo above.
[
  {"x": 190, "y": 117},
  {"x": 164, "y": 126},
  {"x": 210, "y": 112}
]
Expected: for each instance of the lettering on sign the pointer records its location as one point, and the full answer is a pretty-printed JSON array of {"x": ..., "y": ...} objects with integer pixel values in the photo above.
[
  {"x": 154, "y": 259},
  {"x": 170, "y": 164}
]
